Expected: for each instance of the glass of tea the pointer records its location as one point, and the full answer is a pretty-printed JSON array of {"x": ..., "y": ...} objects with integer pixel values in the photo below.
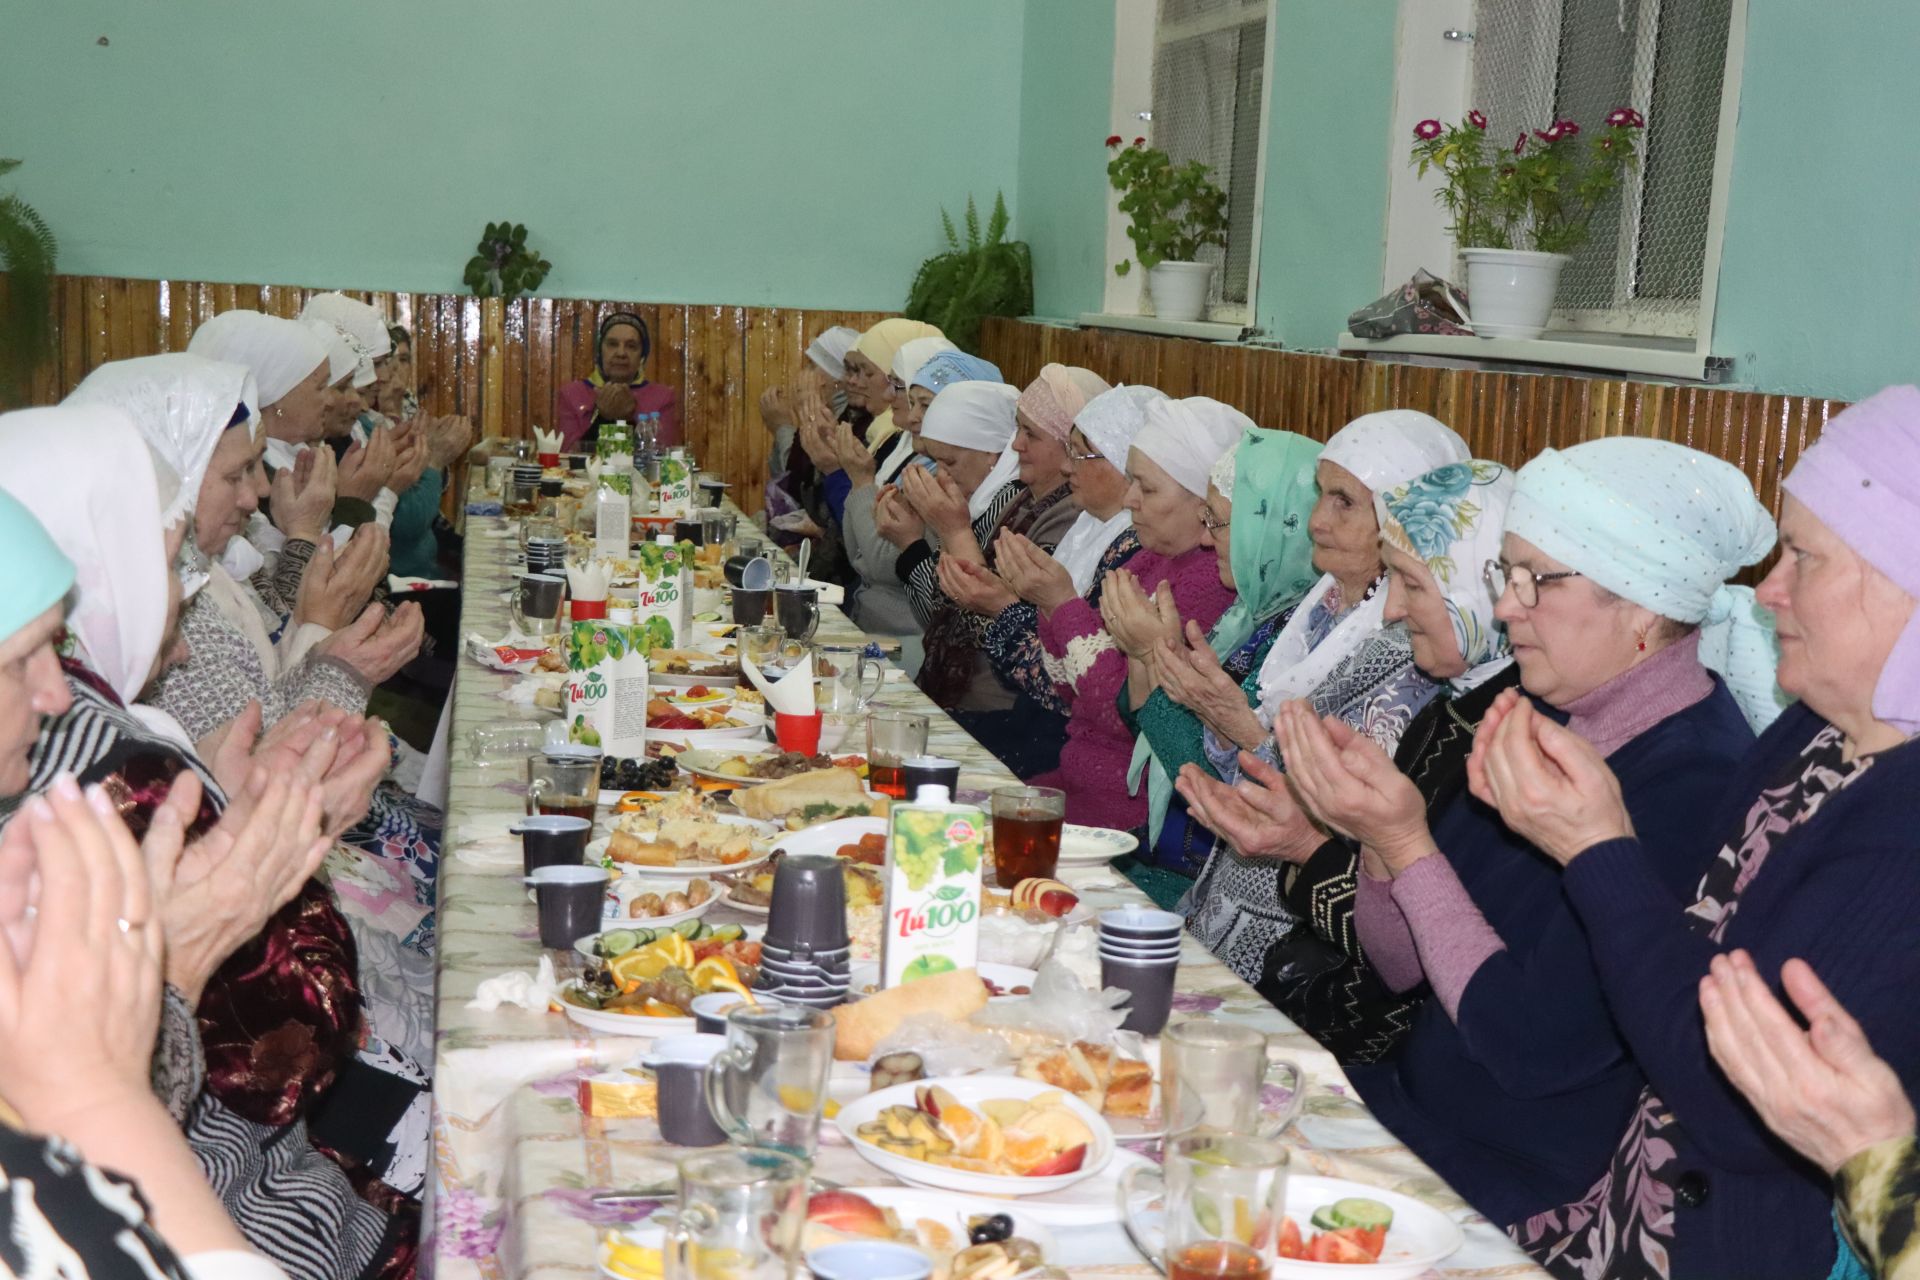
[
  {"x": 563, "y": 785},
  {"x": 893, "y": 738},
  {"x": 1026, "y": 833},
  {"x": 1224, "y": 1196}
]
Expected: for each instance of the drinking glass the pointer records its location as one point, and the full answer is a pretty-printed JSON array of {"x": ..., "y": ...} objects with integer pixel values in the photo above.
[
  {"x": 761, "y": 644},
  {"x": 568, "y": 787},
  {"x": 740, "y": 1217},
  {"x": 535, "y": 607},
  {"x": 1213, "y": 1075},
  {"x": 1026, "y": 833},
  {"x": 798, "y": 610},
  {"x": 893, "y": 738},
  {"x": 768, "y": 1087},
  {"x": 1224, "y": 1196},
  {"x": 843, "y": 671}
]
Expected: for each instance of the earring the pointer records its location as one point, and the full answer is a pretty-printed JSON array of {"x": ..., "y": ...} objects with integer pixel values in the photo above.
[{"x": 1643, "y": 642}]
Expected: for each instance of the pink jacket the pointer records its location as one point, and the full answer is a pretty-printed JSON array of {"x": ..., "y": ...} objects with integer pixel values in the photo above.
[
  {"x": 574, "y": 413},
  {"x": 1090, "y": 672}
]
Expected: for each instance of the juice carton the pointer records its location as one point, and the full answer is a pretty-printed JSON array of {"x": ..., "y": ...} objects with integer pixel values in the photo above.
[
  {"x": 606, "y": 694},
  {"x": 935, "y": 851},
  {"x": 674, "y": 497}
]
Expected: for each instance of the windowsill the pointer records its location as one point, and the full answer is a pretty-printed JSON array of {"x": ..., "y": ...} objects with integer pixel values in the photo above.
[
  {"x": 1204, "y": 330},
  {"x": 1674, "y": 358}
]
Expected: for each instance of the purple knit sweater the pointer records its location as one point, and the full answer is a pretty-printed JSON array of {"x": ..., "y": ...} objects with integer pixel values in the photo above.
[{"x": 1091, "y": 670}]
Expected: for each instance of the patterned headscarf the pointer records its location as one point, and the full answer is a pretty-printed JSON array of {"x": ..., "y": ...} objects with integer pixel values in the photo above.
[
  {"x": 360, "y": 324},
  {"x": 1393, "y": 446},
  {"x": 632, "y": 321},
  {"x": 1452, "y": 520},
  {"x": 911, "y": 355},
  {"x": 829, "y": 350},
  {"x": 1052, "y": 400},
  {"x": 949, "y": 367},
  {"x": 1110, "y": 421}
]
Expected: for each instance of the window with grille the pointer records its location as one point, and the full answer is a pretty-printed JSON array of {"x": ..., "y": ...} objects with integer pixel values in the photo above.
[
  {"x": 1535, "y": 61},
  {"x": 1209, "y": 67}
]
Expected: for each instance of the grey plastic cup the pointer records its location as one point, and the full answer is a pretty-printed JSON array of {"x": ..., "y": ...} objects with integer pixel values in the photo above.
[
  {"x": 1151, "y": 985},
  {"x": 809, "y": 908},
  {"x": 750, "y": 606},
  {"x": 551, "y": 841},
  {"x": 679, "y": 1065},
  {"x": 570, "y": 901}
]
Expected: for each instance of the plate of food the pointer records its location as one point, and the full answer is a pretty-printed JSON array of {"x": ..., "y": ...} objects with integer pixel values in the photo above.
[
  {"x": 701, "y": 695},
  {"x": 752, "y": 765},
  {"x": 1120, "y": 1088},
  {"x": 650, "y": 990},
  {"x": 621, "y": 775},
  {"x": 752, "y": 891},
  {"x": 964, "y": 1238},
  {"x": 807, "y": 799},
  {"x": 618, "y": 939},
  {"x": 692, "y": 726},
  {"x": 681, "y": 834},
  {"x": 1091, "y": 846},
  {"x": 659, "y": 902},
  {"x": 862, "y": 840},
  {"x": 989, "y": 1135},
  {"x": 683, "y": 668}
]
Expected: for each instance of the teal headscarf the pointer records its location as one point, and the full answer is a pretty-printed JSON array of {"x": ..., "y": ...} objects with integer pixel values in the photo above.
[
  {"x": 38, "y": 574},
  {"x": 1274, "y": 487}
]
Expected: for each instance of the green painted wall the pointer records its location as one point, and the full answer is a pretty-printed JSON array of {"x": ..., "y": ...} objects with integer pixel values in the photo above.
[
  {"x": 1066, "y": 87},
  {"x": 742, "y": 151}
]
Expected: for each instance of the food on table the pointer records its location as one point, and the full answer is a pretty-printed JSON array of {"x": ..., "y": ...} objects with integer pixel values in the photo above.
[
  {"x": 661, "y": 978},
  {"x": 780, "y": 764},
  {"x": 1050, "y": 896},
  {"x": 1094, "y": 1074},
  {"x": 620, "y": 1095},
  {"x": 1351, "y": 1231},
  {"x": 692, "y": 662},
  {"x": 662, "y": 714},
  {"x": 616, "y": 942},
  {"x": 649, "y": 906},
  {"x": 982, "y": 1247},
  {"x": 861, "y": 1026},
  {"x": 635, "y": 1261},
  {"x": 896, "y": 1068},
  {"x": 1037, "y": 1137},
  {"x": 869, "y": 850},
  {"x": 815, "y": 791},
  {"x": 755, "y": 888},
  {"x": 623, "y": 773},
  {"x": 699, "y": 693},
  {"x": 681, "y": 828}
]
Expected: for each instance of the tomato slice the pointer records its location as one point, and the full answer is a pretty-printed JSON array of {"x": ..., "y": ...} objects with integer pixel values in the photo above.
[
  {"x": 1372, "y": 1239},
  {"x": 1291, "y": 1245},
  {"x": 1339, "y": 1247}
]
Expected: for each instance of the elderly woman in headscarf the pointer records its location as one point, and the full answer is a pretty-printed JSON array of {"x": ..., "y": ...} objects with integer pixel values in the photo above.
[
  {"x": 1167, "y": 465},
  {"x": 791, "y": 473},
  {"x": 244, "y": 882},
  {"x": 1260, "y": 497},
  {"x": 1436, "y": 536},
  {"x": 1802, "y": 871},
  {"x": 617, "y": 390},
  {"x": 1513, "y": 1080}
]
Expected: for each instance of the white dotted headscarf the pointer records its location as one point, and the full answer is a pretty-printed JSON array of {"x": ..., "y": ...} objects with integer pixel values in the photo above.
[
  {"x": 1394, "y": 447},
  {"x": 1113, "y": 418}
]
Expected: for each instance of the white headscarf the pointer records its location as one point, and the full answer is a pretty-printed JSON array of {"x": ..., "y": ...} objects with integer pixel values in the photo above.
[
  {"x": 1186, "y": 437},
  {"x": 85, "y": 475},
  {"x": 829, "y": 350},
  {"x": 912, "y": 354},
  {"x": 977, "y": 416},
  {"x": 281, "y": 353},
  {"x": 181, "y": 404},
  {"x": 1382, "y": 450},
  {"x": 361, "y": 319},
  {"x": 343, "y": 361},
  {"x": 1113, "y": 418}
]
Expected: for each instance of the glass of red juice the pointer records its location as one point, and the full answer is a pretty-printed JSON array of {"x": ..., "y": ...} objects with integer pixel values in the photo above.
[
  {"x": 1225, "y": 1196},
  {"x": 893, "y": 738},
  {"x": 1026, "y": 833}
]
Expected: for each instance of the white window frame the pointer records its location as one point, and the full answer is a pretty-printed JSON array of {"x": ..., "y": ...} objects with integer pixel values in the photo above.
[
  {"x": 1433, "y": 76},
  {"x": 1135, "y": 42}
]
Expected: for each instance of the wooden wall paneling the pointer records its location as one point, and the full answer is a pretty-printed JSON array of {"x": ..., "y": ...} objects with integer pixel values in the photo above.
[{"x": 510, "y": 387}]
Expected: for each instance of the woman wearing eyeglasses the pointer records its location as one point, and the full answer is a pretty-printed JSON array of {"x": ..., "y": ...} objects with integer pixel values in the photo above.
[{"x": 1513, "y": 1082}]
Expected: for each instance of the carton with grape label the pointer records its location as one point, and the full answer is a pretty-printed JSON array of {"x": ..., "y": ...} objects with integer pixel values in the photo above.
[
  {"x": 606, "y": 690},
  {"x": 675, "y": 494},
  {"x": 934, "y": 857}
]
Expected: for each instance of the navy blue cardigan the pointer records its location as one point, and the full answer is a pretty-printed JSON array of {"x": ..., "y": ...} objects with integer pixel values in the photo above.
[
  {"x": 1842, "y": 892},
  {"x": 1519, "y": 1104}
]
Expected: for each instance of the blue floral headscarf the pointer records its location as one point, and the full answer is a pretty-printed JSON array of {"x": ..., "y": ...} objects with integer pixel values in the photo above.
[{"x": 1453, "y": 518}]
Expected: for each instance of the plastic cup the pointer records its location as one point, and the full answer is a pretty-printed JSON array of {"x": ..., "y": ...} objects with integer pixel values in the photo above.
[
  {"x": 551, "y": 841},
  {"x": 570, "y": 900}
]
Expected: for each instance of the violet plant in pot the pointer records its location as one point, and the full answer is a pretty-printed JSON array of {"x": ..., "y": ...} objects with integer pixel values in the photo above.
[
  {"x": 1173, "y": 212},
  {"x": 1519, "y": 212}
]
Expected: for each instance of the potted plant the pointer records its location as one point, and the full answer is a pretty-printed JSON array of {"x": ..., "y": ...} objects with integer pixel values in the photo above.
[
  {"x": 26, "y": 324},
  {"x": 1173, "y": 212},
  {"x": 987, "y": 276},
  {"x": 504, "y": 267},
  {"x": 1519, "y": 212}
]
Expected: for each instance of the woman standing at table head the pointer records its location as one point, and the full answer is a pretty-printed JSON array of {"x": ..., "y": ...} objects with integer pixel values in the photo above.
[
  {"x": 1811, "y": 869},
  {"x": 617, "y": 390},
  {"x": 1513, "y": 1081}
]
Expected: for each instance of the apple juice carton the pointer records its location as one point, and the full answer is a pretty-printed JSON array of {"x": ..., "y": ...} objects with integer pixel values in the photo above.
[
  {"x": 935, "y": 852},
  {"x": 674, "y": 497}
]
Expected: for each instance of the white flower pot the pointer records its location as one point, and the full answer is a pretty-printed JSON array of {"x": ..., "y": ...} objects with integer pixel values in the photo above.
[
  {"x": 1510, "y": 291},
  {"x": 1180, "y": 289}
]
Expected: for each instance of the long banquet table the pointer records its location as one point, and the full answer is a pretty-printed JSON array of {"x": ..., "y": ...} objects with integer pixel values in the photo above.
[{"x": 517, "y": 1163}]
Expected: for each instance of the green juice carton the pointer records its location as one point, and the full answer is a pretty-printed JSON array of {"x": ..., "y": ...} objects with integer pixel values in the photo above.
[
  {"x": 935, "y": 856},
  {"x": 674, "y": 497},
  {"x": 606, "y": 693}
]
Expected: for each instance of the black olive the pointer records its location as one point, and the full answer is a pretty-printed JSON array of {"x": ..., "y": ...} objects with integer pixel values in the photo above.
[{"x": 990, "y": 1230}]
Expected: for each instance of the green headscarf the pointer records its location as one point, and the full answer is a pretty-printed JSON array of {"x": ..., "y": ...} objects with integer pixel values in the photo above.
[
  {"x": 1275, "y": 485},
  {"x": 38, "y": 574}
]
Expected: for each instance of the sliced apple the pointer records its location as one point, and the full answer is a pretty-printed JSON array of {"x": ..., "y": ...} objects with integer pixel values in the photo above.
[
  {"x": 1066, "y": 1162},
  {"x": 846, "y": 1212}
]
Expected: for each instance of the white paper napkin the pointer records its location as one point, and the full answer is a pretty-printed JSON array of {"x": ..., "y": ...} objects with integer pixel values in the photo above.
[
  {"x": 589, "y": 581},
  {"x": 546, "y": 441},
  {"x": 531, "y": 992},
  {"x": 791, "y": 694}
]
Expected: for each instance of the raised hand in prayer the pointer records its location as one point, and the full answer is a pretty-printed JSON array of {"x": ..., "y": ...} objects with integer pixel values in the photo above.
[
  {"x": 810, "y": 407},
  {"x": 234, "y": 877},
  {"x": 817, "y": 437},
  {"x": 940, "y": 503},
  {"x": 293, "y": 742},
  {"x": 1192, "y": 676},
  {"x": 365, "y": 468},
  {"x": 448, "y": 439},
  {"x": 336, "y": 584},
  {"x": 409, "y": 457},
  {"x": 378, "y": 644},
  {"x": 974, "y": 587},
  {"x": 1347, "y": 782},
  {"x": 1258, "y": 814},
  {"x": 1823, "y": 1090},
  {"x": 1549, "y": 784},
  {"x": 895, "y": 520},
  {"x": 859, "y": 464},
  {"x": 303, "y": 495},
  {"x": 614, "y": 401},
  {"x": 1034, "y": 575},
  {"x": 775, "y": 410},
  {"x": 1132, "y": 618}
]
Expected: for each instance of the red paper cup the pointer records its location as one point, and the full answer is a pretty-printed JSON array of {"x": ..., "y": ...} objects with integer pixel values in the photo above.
[
  {"x": 587, "y": 610},
  {"x": 797, "y": 733},
  {"x": 549, "y": 459}
]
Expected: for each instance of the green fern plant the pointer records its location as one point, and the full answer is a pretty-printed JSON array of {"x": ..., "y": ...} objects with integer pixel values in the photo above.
[
  {"x": 27, "y": 252},
  {"x": 504, "y": 267},
  {"x": 986, "y": 275}
]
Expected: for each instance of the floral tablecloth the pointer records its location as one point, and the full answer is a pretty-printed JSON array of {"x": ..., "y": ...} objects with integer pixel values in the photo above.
[{"x": 518, "y": 1164}]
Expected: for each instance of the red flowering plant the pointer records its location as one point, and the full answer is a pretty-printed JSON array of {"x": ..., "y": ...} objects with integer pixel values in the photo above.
[
  {"x": 1541, "y": 193},
  {"x": 1173, "y": 211}
]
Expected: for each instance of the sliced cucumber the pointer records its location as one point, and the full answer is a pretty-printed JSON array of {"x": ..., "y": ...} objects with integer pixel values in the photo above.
[
  {"x": 1358, "y": 1212},
  {"x": 617, "y": 942},
  {"x": 1323, "y": 1219},
  {"x": 728, "y": 933},
  {"x": 688, "y": 929},
  {"x": 709, "y": 616}
]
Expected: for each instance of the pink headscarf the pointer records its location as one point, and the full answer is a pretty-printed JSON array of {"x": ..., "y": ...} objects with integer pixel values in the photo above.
[
  {"x": 1054, "y": 399},
  {"x": 1862, "y": 478}
]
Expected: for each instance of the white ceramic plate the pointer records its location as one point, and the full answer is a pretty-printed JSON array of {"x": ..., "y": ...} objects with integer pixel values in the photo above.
[
  {"x": 1003, "y": 976},
  {"x": 1091, "y": 846},
  {"x": 623, "y": 1024},
  {"x": 584, "y": 946},
  {"x": 648, "y": 1235},
  {"x": 829, "y": 836},
  {"x": 726, "y": 896},
  {"x": 911, "y": 1204},
  {"x": 705, "y": 762},
  {"x": 597, "y": 849},
  {"x": 972, "y": 1090},
  {"x": 629, "y": 888}
]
